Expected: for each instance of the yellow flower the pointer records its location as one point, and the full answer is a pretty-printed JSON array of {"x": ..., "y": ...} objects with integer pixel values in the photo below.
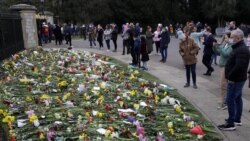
[
  {"x": 132, "y": 77},
  {"x": 121, "y": 103},
  {"x": 41, "y": 136},
  {"x": 102, "y": 85},
  {"x": 178, "y": 109},
  {"x": 107, "y": 134},
  {"x": 136, "y": 106},
  {"x": 70, "y": 115},
  {"x": 157, "y": 98},
  {"x": 49, "y": 77},
  {"x": 28, "y": 99},
  {"x": 66, "y": 96},
  {"x": 99, "y": 114},
  {"x": 62, "y": 84},
  {"x": 148, "y": 92},
  {"x": 8, "y": 119},
  {"x": 36, "y": 70},
  {"x": 100, "y": 100},
  {"x": 87, "y": 114},
  {"x": 1, "y": 111},
  {"x": 32, "y": 118},
  {"x": 171, "y": 131},
  {"x": 136, "y": 72},
  {"x": 45, "y": 96},
  {"x": 133, "y": 93},
  {"x": 24, "y": 80}
]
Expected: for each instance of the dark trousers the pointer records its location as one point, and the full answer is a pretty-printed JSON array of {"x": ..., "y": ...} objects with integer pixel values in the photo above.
[
  {"x": 126, "y": 45},
  {"x": 191, "y": 69},
  {"x": 108, "y": 44},
  {"x": 115, "y": 43},
  {"x": 234, "y": 102},
  {"x": 157, "y": 44},
  {"x": 68, "y": 40},
  {"x": 206, "y": 60},
  {"x": 100, "y": 43},
  {"x": 135, "y": 56},
  {"x": 58, "y": 41}
]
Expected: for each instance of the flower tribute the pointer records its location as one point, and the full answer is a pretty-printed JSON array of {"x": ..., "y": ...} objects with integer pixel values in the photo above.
[{"x": 58, "y": 94}]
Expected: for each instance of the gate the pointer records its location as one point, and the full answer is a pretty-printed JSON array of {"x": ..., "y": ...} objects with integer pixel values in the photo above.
[{"x": 11, "y": 34}]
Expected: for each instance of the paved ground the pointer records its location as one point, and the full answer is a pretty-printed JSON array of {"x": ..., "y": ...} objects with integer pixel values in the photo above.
[{"x": 205, "y": 98}]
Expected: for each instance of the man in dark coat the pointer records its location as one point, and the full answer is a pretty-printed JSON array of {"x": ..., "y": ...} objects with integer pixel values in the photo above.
[
  {"x": 165, "y": 40},
  {"x": 208, "y": 51},
  {"x": 236, "y": 74}
]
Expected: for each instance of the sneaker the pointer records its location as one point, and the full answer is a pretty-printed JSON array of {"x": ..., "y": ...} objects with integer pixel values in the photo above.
[
  {"x": 186, "y": 85},
  {"x": 195, "y": 86},
  {"x": 236, "y": 123},
  {"x": 227, "y": 127},
  {"x": 222, "y": 107}
]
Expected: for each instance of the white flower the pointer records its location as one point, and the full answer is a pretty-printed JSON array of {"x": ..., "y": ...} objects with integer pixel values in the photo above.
[
  {"x": 115, "y": 135},
  {"x": 36, "y": 123}
]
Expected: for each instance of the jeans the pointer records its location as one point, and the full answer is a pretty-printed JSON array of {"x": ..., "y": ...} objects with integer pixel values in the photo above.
[
  {"x": 234, "y": 101},
  {"x": 164, "y": 54},
  {"x": 214, "y": 58},
  {"x": 157, "y": 44},
  {"x": 92, "y": 42},
  {"x": 108, "y": 44},
  {"x": 191, "y": 69}
]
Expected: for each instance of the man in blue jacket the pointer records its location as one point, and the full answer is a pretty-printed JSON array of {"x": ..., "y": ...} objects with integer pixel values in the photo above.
[{"x": 236, "y": 74}]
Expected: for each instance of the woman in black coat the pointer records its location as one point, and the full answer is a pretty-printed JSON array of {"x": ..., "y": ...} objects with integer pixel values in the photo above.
[{"x": 100, "y": 35}]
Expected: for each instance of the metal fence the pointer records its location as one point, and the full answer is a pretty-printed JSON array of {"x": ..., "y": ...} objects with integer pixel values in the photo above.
[{"x": 11, "y": 35}]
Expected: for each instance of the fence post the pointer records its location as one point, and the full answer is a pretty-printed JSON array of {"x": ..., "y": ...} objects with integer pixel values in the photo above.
[{"x": 29, "y": 26}]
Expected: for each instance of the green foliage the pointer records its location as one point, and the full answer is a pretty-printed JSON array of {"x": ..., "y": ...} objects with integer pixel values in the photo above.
[{"x": 143, "y": 11}]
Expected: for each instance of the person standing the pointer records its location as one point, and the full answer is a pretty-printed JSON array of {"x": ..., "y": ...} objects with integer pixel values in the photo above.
[
  {"x": 144, "y": 53},
  {"x": 84, "y": 30},
  {"x": 58, "y": 34},
  {"x": 100, "y": 35},
  {"x": 149, "y": 39},
  {"x": 92, "y": 35},
  {"x": 165, "y": 40},
  {"x": 188, "y": 50},
  {"x": 45, "y": 33},
  {"x": 114, "y": 36},
  {"x": 196, "y": 36},
  {"x": 224, "y": 50},
  {"x": 68, "y": 34},
  {"x": 236, "y": 74},
  {"x": 107, "y": 36},
  {"x": 208, "y": 51},
  {"x": 137, "y": 51},
  {"x": 125, "y": 37},
  {"x": 157, "y": 39}
]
